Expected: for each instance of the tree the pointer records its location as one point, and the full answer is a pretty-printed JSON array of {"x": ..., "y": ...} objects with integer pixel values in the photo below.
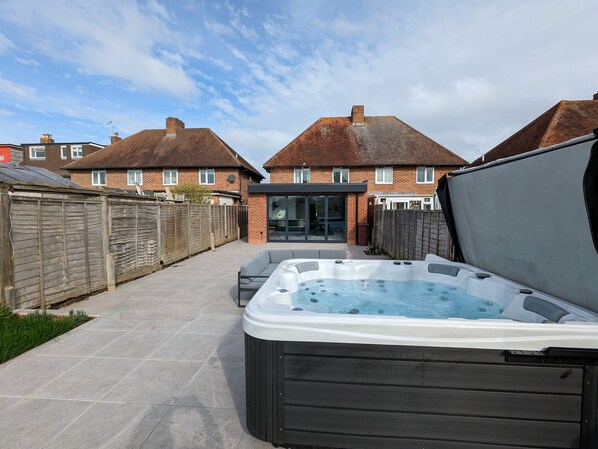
[{"x": 194, "y": 193}]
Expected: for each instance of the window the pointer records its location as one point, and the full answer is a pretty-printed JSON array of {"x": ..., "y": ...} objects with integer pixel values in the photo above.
[
  {"x": 425, "y": 175},
  {"x": 37, "y": 152},
  {"x": 427, "y": 203},
  {"x": 206, "y": 176},
  {"x": 76, "y": 151},
  {"x": 98, "y": 177},
  {"x": 383, "y": 175},
  {"x": 301, "y": 175},
  {"x": 340, "y": 174},
  {"x": 63, "y": 152},
  {"x": 134, "y": 177},
  {"x": 170, "y": 176}
]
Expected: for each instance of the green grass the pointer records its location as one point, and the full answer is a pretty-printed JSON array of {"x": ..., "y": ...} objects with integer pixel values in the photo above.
[{"x": 19, "y": 334}]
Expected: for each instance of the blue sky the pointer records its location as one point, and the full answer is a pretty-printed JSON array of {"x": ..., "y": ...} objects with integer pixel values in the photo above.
[{"x": 467, "y": 74}]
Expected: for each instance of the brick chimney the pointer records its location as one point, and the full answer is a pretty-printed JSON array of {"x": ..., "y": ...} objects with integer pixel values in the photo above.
[
  {"x": 596, "y": 96},
  {"x": 115, "y": 138},
  {"x": 357, "y": 117},
  {"x": 46, "y": 138},
  {"x": 172, "y": 125}
]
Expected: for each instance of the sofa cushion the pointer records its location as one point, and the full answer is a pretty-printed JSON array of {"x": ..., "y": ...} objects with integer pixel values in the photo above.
[
  {"x": 256, "y": 265},
  {"x": 306, "y": 254},
  {"x": 278, "y": 255},
  {"x": 333, "y": 254},
  {"x": 269, "y": 269}
]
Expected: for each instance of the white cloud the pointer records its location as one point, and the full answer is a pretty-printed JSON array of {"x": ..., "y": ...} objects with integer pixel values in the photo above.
[
  {"x": 27, "y": 61},
  {"x": 116, "y": 39},
  {"x": 16, "y": 91},
  {"x": 5, "y": 44}
]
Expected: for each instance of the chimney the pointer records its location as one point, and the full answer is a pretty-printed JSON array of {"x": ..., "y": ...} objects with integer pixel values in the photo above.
[
  {"x": 172, "y": 125},
  {"x": 115, "y": 138},
  {"x": 357, "y": 117},
  {"x": 596, "y": 96},
  {"x": 46, "y": 138}
]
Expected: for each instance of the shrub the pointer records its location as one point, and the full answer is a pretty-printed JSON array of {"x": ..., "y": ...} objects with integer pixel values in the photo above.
[{"x": 194, "y": 193}]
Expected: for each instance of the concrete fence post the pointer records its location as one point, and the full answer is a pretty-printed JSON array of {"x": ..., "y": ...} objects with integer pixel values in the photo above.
[
  {"x": 7, "y": 296},
  {"x": 108, "y": 257}
]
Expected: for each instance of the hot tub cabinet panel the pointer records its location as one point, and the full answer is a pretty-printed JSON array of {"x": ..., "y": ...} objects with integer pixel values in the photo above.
[{"x": 345, "y": 395}]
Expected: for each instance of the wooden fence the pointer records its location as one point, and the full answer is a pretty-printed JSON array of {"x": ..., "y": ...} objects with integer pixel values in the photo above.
[
  {"x": 410, "y": 234},
  {"x": 59, "y": 246}
]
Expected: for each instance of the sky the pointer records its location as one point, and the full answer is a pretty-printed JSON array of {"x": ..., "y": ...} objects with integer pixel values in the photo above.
[{"x": 258, "y": 73}]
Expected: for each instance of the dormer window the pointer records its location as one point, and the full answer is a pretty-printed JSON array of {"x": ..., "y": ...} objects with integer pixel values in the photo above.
[
  {"x": 37, "y": 152},
  {"x": 302, "y": 175}
]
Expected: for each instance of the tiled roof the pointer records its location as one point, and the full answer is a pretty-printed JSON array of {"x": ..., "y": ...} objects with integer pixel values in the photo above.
[
  {"x": 152, "y": 148},
  {"x": 383, "y": 140},
  {"x": 564, "y": 121}
]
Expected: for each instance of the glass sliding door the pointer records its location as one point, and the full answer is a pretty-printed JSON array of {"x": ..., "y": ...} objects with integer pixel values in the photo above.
[
  {"x": 296, "y": 220},
  {"x": 307, "y": 218},
  {"x": 337, "y": 218},
  {"x": 277, "y": 217}
]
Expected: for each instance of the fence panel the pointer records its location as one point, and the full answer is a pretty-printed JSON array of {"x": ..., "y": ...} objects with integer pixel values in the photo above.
[
  {"x": 200, "y": 229},
  {"x": 410, "y": 234},
  {"x": 175, "y": 232}
]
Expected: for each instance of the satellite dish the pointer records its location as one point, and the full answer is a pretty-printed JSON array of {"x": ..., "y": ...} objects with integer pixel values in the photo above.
[{"x": 231, "y": 178}]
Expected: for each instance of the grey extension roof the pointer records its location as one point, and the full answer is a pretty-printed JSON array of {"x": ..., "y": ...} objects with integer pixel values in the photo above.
[{"x": 22, "y": 174}]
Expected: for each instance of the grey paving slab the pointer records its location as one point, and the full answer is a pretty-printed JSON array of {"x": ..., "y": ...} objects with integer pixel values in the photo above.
[
  {"x": 32, "y": 422},
  {"x": 216, "y": 386},
  {"x": 89, "y": 380},
  {"x": 155, "y": 382},
  {"x": 113, "y": 324},
  {"x": 164, "y": 325},
  {"x": 82, "y": 343},
  {"x": 25, "y": 374},
  {"x": 197, "y": 428},
  {"x": 249, "y": 442},
  {"x": 189, "y": 347},
  {"x": 135, "y": 344},
  {"x": 211, "y": 324},
  {"x": 231, "y": 350},
  {"x": 109, "y": 425},
  {"x": 7, "y": 402}
]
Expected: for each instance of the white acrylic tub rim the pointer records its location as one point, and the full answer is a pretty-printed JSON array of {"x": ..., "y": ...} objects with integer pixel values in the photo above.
[{"x": 268, "y": 315}]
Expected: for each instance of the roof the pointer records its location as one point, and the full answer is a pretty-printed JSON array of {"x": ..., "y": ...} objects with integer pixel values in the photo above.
[
  {"x": 564, "y": 121},
  {"x": 22, "y": 174},
  {"x": 153, "y": 148},
  {"x": 40, "y": 144},
  {"x": 383, "y": 140}
]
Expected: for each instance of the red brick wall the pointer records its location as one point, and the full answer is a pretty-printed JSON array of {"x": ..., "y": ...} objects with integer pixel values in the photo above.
[
  {"x": 257, "y": 231},
  {"x": 403, "y": 178},
  {"x": 153, "y": 179}
]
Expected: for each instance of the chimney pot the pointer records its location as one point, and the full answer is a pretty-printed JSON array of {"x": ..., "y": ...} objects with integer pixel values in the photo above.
[
  {"x": 596, "y": 96},
  {"x": 357, "y": 115},
  {"x": 46, "y": 138},
  {"x": 115, "y": 138},
  {"x": 172, "y": 125}
]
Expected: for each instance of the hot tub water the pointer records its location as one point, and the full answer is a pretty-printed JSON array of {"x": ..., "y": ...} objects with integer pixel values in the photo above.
[{"x": 411, "y": 299}]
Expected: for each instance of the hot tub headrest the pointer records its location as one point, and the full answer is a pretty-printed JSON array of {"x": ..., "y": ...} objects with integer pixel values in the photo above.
[
  {"x": 440, "y": 268},
  {"x": 544, "y": 308},
  {"x": 307, "y": 266}
]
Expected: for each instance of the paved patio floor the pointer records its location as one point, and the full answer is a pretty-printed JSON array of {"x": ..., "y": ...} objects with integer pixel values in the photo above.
[{"x": 163, "y": 366}]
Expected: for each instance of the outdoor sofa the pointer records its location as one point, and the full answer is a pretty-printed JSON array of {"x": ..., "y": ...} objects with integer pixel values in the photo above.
[{"x": 254, "y": 272}]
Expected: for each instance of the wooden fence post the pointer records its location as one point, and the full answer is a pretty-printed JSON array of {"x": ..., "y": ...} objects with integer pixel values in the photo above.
[
  {"x": 108, "y": 257},
  {"x": 159, "y": 231},
  {"x": 6, "y": 285},
  {"x": 40, "y": 255}
]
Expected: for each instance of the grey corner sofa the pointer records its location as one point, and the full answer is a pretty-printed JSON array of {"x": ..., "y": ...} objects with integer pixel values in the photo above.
[{"x": 254, "y": 272}]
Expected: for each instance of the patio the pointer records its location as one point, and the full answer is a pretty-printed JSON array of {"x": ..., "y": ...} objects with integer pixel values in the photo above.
[{"x": 163, "y": 366}]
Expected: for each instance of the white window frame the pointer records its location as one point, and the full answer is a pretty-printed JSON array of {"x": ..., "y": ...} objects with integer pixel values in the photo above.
[
  {"x": 205, "y": 173},
  {"x": 427, "y": 169},
  {"x": 64, "y": 153},
  {"x": 76, "y": 150},
  {"x": 170, "y": 171},
  {"x": 137, "y": 180},
  {"x": 382, "y": 179},
  {"x": 33, "y": 153},
  {"x": 302, "y": 175},
  {"x": 340, "y": 171},
  {"x": 96, "y": 177}
]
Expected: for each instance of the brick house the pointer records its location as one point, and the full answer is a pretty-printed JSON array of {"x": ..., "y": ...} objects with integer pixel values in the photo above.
[
  {"x": 321, "y": 182},
  {"x": 564, "y": 121},
  {"x": 160, "y": 159},
  {"x": 11, "y": 154},
  {"x": 53, "y": 155}
]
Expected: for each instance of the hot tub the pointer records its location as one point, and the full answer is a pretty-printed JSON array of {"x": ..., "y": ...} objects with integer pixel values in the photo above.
[{"x": 522, "y": 375}]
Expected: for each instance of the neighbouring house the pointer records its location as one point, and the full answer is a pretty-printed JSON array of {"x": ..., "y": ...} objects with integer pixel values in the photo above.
[
  {"x": 10, "y": 154},
  {"x": 160, "y": 159},
  {"x": 321, "y": 182},
  {"x": 564, "y": 121},
  {"x": 53, "y": 155}
]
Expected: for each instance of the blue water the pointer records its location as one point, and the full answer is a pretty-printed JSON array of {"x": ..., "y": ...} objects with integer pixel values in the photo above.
[{"x": 413, "y": 299}]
